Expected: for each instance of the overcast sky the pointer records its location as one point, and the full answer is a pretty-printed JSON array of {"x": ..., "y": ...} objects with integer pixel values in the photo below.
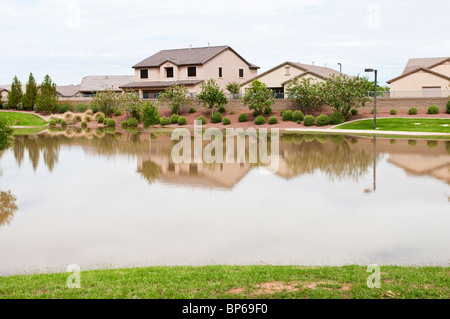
[{"x": 70, "y": 39}]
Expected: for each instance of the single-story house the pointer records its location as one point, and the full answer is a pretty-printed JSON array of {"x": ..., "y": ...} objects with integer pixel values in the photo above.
[
  {"x": 189, "y": 67},
  {"x": 90, "y": 85},
  {"x": 65, "y": 91},
  {"x": 278, "y": 77},
  {"x": 4, "y": 90},
  {"x": 428, "y": 77}
]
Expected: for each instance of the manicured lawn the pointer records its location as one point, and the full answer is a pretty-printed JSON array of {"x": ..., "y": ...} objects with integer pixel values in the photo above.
[
  {"x": 401, "y": 124},
  {"x": 235, "y": 282},
  {"x": 22, "y": 119},
  {"x": 28, "y": 131}
]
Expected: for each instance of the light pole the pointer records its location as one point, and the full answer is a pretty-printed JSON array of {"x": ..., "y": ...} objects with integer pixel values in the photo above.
[
  {"x": 340, "y": 67},
  {"x": 374, "y": 99}
]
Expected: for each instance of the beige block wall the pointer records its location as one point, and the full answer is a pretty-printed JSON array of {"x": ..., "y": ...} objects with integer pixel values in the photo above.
[{"x": 416, "y": 81}]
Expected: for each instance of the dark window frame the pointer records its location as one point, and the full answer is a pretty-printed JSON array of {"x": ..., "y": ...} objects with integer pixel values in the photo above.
[
  {"x": 167, "y": 72},
  {"x": 220, "y": 72},
  {"x": 144, "y": 73},
  {"x": 190, "y": 68},
  {"x": 241, "y": 73}
]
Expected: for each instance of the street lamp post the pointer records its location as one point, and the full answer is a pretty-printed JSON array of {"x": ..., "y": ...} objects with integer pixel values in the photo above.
[
  {"x": 340, "y": 67},
  {"x": 374, "y": 99}
]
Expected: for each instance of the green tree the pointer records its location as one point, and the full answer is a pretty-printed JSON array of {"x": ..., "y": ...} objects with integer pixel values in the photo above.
[
  {"x": 233, "y": 87},
  {"x": 15, "y": 94},
  {"x": 6, "y": 135},
  {"x": 344, "y": 93},
  {"x": 306, "y": 93},
  {"x": 47, "y": 99},
  {"x": 212, "y": 95},
  {"x": 130, "y": 103},
  {"x": 150, "y": 115},
  {"x": 175, "y": 97},
  {"x": 29, "y": 98},
  {"x": 106, "y": 101},
  {"x": 259, "y": 98}
]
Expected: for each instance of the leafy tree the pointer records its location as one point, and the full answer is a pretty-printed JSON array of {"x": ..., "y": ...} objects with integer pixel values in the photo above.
[
  {"x": 106, "y": 101},
  {"x": 6, "y": 132},
  {"x": 212, "y": 95},
  {"x": 174, "y": 97},
  {"x": 259, "y": 98},
  {"x": 344, "y": 93},
  {"x": 47, "y": 99},
  {"x": 233, "y": 87},
  {"x": 15, "y": 94},
  {"x": 30, "y": 96},
  {"x": 130, "y": 103},
  {"x": 306, "y": 93},
  {"x": 150, "y": 115}
]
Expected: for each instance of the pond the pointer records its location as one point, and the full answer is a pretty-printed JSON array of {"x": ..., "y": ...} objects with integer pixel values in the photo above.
[{"x": 117, "y": 199}]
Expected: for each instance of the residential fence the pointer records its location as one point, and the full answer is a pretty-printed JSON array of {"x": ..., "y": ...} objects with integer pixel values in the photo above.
[{"x": 406, "y": 94}]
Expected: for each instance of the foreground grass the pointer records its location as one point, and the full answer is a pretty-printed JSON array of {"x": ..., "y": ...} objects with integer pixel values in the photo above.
[
  {"x": 401, "y": 124},
  {"x": 235, "y": 282},
  {"x": 28, "y": 131},
  {"x": 22, "y": 119}
]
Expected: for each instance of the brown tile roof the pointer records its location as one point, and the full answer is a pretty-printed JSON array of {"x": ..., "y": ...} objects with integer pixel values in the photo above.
[
  {"x": 158, "y": 84},
  {"x": 99, "y": 83},
  {"x": 423, "y": 64},
  {"x": 68, "y": 90},
  {"x": 188, "y": 56}
]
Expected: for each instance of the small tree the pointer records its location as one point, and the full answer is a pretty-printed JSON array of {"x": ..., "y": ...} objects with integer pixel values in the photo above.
[
  {"x": 344, "y": 93},
  {"x": 306, "y": 93},
  {"x": 130, "y": 103},
  {"x": 47, "y": 99},
  {"x": 30, "y": 96},
  {"x": 233, "y": 87},
  {"x": 174, "y": 97},
  {"x": 212, "y": 95},
  {"x": 6, "y": 133},
  {"x": 106, "y": 101},
  {"x": 150, "y": 115},
  {"x": 259, "y": 98},
  {"x": 15, "y": 94}
]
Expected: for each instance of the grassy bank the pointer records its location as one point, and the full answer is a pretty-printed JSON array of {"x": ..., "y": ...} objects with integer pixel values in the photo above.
[
  {"x": 401, "y": 124},
  {"x": 235, "y": 282},
  {"x": 22, "y": 119}
]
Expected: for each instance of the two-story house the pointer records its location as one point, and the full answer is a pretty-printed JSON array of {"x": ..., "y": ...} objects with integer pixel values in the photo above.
[{"x": 189, "y": 67}]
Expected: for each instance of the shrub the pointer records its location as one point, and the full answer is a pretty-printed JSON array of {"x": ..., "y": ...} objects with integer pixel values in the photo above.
[
  {"x": 63, "y": 123},
  {"x": 222, "y": 109},
  {"x": 93, "y": 107},
  {"x": 322, "y": 120},
  {"x": 110, "y": 122},
  {"x": 412, "y": 111},
  {"x": 242, "y": 117},
  {"x": 164, "y": 121},
  {"x": 98, "y": 114},
  {"x": 233, "y": 112},
  {"x": 150, "y": 115},
  {"x": 287, "y": 115},
  {"x": 117, "y": 112},
  {"x": 77, "y": 118},
  {"x": 433, "y": 109},
  {"x": 81, "y": 108},
  {"x": 260, "y": 120},
  {"x": 201, "y": 118},
  {"x": 192, "y": 110},
  {"x": 52, "y": 122},
  {"x": 64, "y": 107},
  {"x": 174, "y": 119},
  {"x": 105, "y": 121},
  {"x": 448, "y": 108},
  {"x": 309, "y": 120},
  {"x": 100, "y": 119},
  {"x": 124, "y": 124},
  {"x": 83, "y": 124},
  {"x": 268, "y": 110},
  {"x": 87, "y": 118},
  {"x": 337, "y": 118},
  {"x": 216, "y": 117},
  {"x": 182, "y": 120},
  {"x": 393, "y": 112},
  {"x": 226, "y": 121},
  {"x": 273, "y": 120},
  {"x": 133, "y": 122},
  {"x": 354, "y": 112},
  {"x": 297, "y": 116}
]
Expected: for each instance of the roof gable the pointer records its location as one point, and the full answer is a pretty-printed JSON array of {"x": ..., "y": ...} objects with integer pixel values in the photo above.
[
  {"x": 417, "y": 70},
  {"x": 426, "y": 63},
  {"x": 99, "y": 83}
]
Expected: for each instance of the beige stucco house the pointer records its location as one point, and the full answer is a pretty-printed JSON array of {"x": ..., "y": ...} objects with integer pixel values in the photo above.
[
  {"x": 278, "y": 77},
  {"x": 189, "y": 67},
  {"x": 427, "y": 77}
]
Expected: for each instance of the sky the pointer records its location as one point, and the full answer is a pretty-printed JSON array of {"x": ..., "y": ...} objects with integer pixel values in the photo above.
[{"x": 70, "y": 39}]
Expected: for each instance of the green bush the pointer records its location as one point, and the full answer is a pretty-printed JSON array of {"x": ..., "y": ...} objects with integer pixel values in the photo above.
[
  {"x": 63, "y": 123},
  {"x": 201, "y": 118},
  {"x": 309, "y": 120},
  {"x": 124, "y": 124},
  {"x": 83, "y": 124},
  {"x": 192, "y": 110},
  {"x": 273, "y": 120},
  {"x": 412, "y": 111},
  {"x": 110, "y": 123},
  {"x": 81, "y": 108},
  {"x": 133, "y": 122},
  {"x": 268, "y": 110},
  {"x": 226, "y": 121},
  {"x": 260, "y": 120},
  {"x": 216, "y": 117},
  {"x": 322, "y": 120},
  {"x": 242, "y": 117},
  {"x": 222, "y": 109},
  {"x": 232, "y": 112},
  {"x": 448, "y": 107},
  {"x": 117, "y": 112},
  {"x": 100, "y": 119},
  {"x": 337, "y": 118},
  {"x": 182, "y": 120},
  {"x": 287, "y": 115},
  {"x": 174, "y": 118},
  {"x": 354, "y": 111},
  {"x": 164, "y": 121},
  {"x": 94, "y": 108},
  {"x": 297, "y": 116},
  {"x": 64, "y": 107},
  {"x": 393, "y": 112},
  {"x": 52, "y": 122},
  {"x": 433, "y": 109}
]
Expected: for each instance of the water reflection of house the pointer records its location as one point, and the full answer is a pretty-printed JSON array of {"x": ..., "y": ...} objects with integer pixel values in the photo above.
[{"x": 437, "y": 166}]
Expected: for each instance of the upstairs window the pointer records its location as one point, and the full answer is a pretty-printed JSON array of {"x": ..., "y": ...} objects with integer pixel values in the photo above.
[
  {"x": 144, "y": 74},
  {"x": 241, "y": 73},
  {"x": 220, "y": 73},
  {"x": 191, "y": 71},
  {"x": 169, "y": 72}
]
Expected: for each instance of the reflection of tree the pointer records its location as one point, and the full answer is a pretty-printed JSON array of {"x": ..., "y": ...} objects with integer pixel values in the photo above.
[
  {"x": 47, "y": 144},
  {"x": 7, "y": 207},
  {"x": 150, "y": 171}
]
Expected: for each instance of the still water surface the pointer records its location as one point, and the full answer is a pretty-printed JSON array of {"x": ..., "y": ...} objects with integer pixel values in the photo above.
[{"x": 101, "y": 199}]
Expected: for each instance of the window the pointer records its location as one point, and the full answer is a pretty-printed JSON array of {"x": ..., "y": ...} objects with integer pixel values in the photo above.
[
  {"x": 144, "y": 74},
  {"x": 220, "y": 73},
  {"x": 169, "y": 72},
  {"x": 241, "y": 73},
  {"x": 192, "y": 71},
  {"x": 145, "y": 95},
  {"x": 288, "y": 71}
]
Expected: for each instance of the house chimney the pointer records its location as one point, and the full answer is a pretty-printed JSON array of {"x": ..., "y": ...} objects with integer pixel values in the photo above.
[
  {"x": 191, "y": 47},
  {"x": 208, "y": 45},
  {"x": 313, "y": 63}
]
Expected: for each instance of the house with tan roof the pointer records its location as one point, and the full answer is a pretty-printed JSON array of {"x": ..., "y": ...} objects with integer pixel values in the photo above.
[
  {"x": 423, "y": 77},
  {"x": 278, "y": 77},
  {"x": 189, "y": 67},
  {"x": 90, "y": 85}
]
